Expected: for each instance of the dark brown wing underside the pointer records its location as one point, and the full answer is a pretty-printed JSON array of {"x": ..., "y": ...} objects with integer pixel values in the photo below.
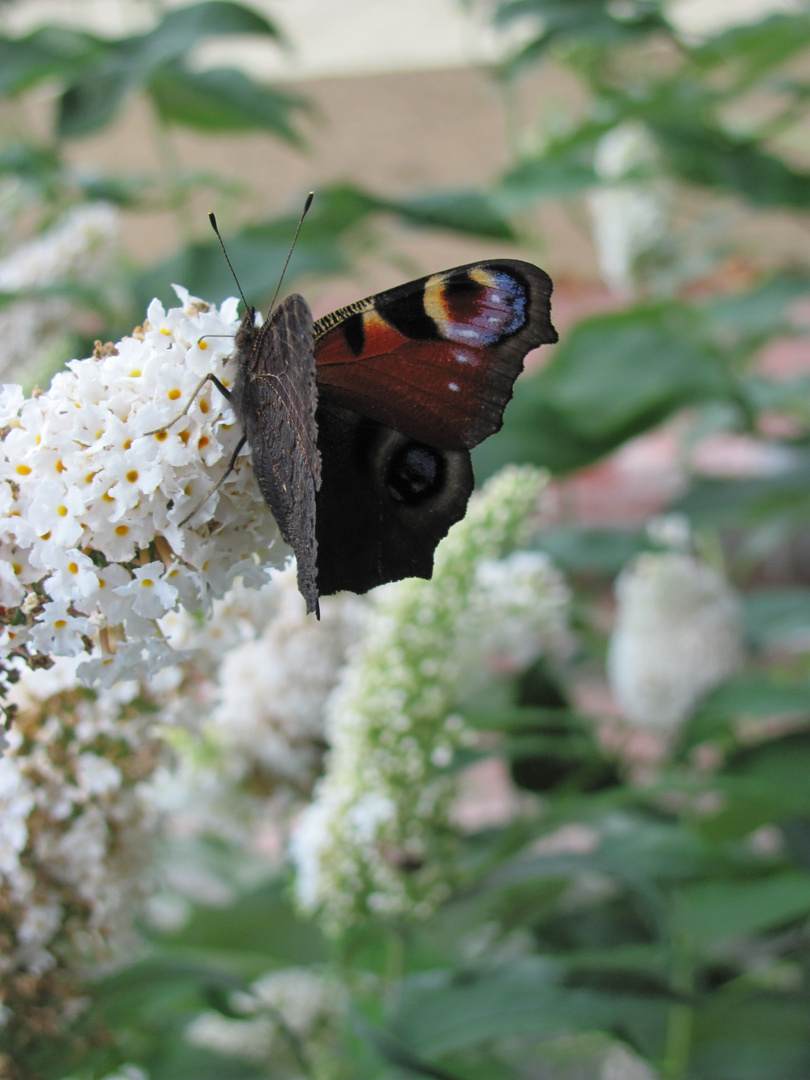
[
  {"x": 385, "y": 503},
  {"x": 275, "y": 397}
]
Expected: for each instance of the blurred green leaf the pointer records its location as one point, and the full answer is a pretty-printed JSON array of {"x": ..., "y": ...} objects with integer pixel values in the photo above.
[
  {"x": 92, "y": 101},
  {"x": 47, "y": 53},
  {"x": 700, "y": 152},
  {"x": 181, "y": 29},
  {"x": 759, "y": 694},
  {"x": 616, "y": 374},
  {"x": 579, "y": 21},
  {"x": 222, "y": 99},
  {"x": 750, "y": 51},
  {"x": 709, "y": 912},
  {"x": 783, "y": 496},
  {"x": 554, "y": 175},
  {"x": 442, "y": 1012},
  {"x": 763, "y": 785},
  {"x": 259, "y": 931},
  {"x": 613, "y": 377},
  {"x": 750, "y": 1035},
  {"x": 471, "y": 212},
  {"x": 593, "y": 551},
  {"x": 777, "y": 616},
  {"x": 760, "y": 312},
  {"x": 211, "y": 100}
]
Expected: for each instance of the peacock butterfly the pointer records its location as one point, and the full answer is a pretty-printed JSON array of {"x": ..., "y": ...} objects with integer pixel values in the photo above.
[{"x": 360, "y": 424}]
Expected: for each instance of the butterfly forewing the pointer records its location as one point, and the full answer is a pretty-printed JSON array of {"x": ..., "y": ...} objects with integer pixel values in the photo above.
[
  {"x": 436, "y": 359},
  {"x": 275, "y": 398}
]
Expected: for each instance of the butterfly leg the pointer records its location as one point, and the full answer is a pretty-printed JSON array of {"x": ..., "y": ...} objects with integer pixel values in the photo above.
[
  {"x": 208, "y": 378},
  {"x": 221, "y": 480}
]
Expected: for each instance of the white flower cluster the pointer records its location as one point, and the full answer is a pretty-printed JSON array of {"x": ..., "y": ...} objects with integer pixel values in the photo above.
[
  {"x": 252, "y": 702},
  {"x": 75, "y": 837},
  {"x": 292, "y": 1021},
  {"x": 627, "y": 214},
  {"x": 377, "y": 837},
  {"x": 92, "y": 552},
  {"x": 269, "y": 717},
  {"x": 678, "y": 634},
  {"x": 518, "y": 610},
  {"x": 77, "y": 250}
]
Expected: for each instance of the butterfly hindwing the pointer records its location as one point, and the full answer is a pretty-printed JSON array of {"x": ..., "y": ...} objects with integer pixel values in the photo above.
[
  {"x": 385, "y": 502},
  {"x": 437, "y": 358},
  {"x": 275, "y": 398}
]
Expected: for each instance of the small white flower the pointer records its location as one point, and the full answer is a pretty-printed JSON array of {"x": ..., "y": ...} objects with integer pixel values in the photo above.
[
  {"x": 58, "y": 632},
  {"x": 53, "y": 510},
  {"x": 677, "y": 635},
  {"x": 75, "y": 576},
  {"x": 11, "y": 589},
  {"x": 11, "y": 401},
  {"x": 97, "y": 776},
  {"x": 16, "y": 803},
  {"x": 151, "y": 595}
]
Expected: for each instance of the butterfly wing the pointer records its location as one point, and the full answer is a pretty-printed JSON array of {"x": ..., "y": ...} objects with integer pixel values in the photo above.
[
  {"x": 275, "y": 398},
  {"x": 385, "y": 502},
  {"x": 436, "y": 359},
  {"x": 408, "y": 381}
]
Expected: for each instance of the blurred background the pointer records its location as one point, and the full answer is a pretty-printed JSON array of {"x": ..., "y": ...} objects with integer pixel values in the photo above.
[{"x": 630, "y": 892}]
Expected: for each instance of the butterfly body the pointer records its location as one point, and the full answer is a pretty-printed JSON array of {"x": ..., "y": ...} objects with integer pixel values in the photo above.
[{"x": 360, "y": 424}]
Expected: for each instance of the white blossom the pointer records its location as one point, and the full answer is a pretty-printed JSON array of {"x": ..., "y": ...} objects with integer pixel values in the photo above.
[
  {"x": 75, "y": 833},
  {"x": 291, "y": 1019},
  {"x": 272, "y": 689},
  {"x": 92, "y": 552},
  {"x": 79, "y": 248},
  {"x": 519, "y": 610},
  {"x": 678, "y": 634},
  {"x": 627, "y": 213}
]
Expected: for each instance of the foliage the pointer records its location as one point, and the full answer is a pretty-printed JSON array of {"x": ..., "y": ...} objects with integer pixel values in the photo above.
[{"x": 657, "y": 908}]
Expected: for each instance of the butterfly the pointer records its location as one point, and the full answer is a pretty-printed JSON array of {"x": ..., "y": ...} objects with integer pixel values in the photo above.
[{"x": 360, "y": 424}]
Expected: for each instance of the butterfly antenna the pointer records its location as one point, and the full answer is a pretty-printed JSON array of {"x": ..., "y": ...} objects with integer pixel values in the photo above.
[
  {"x": 307, "y": 205},
  {"x": 213, "y": 221}
]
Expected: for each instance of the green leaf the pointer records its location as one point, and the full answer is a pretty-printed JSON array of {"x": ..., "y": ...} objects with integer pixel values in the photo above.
[
  {"x": 593, "y": 551},
  {"x": 471, "y": 212},
  {"x": 257, "y": 932},
  {"x": 222, "y": 99},
  {"x": 753, "y": 694},
  {"x": 703, "y": 153},
  {"x": 441, "y": 1012},
  {"x": 752, "y": 50},
  {"x": 775, "y": 616},
  {"x": 711, "y": 912},
  {"x": 185, "y": 27},
  {"x": 91, "y": 102},
  {"x": 577, "y": 22},
  {"x": 749, "y": 1036},
  {"x": 781, "y": 498},
  {"x": 47, "y": 53},
  {"x": 155, "y": 60},
  {"x": 554, "y": 175},
  {"x": 621, "y": 372},
  {"x": 613, "y": 377},
  {"x": 759, "y": 312},
  {"x": 765, "y": 784},
  {"x": 462, "y": 211}
]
